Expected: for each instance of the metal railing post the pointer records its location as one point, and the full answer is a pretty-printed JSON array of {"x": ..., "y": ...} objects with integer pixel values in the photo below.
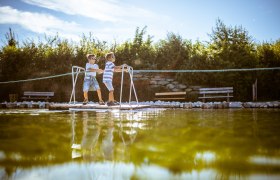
[
  {"x": 121, "y": 86},
  {"x": 74, "y": 81}
]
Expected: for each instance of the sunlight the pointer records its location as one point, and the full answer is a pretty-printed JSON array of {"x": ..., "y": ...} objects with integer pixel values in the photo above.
[
  {"x": 262, "y": 160},
  {"x": 206, "y": 156}
]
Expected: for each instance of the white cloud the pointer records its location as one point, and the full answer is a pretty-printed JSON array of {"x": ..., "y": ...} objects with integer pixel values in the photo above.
[
  {"x": 116, "y": 20},
  {"x": 39, "y": 23},
  {"x": 101, "y": 10}
]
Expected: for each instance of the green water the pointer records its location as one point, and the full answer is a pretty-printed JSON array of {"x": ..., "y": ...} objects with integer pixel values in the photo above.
[{"x": 143, "y": 144}]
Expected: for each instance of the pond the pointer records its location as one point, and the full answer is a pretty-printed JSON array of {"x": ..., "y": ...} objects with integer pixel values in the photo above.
[{"x": 140, "y": 144}]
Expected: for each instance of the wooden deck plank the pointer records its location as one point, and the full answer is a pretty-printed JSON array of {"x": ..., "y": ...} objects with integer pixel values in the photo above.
[{"x": 81, "y": 107}]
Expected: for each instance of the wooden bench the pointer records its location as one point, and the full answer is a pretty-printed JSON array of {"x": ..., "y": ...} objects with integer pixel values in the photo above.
[
  {"x": 214, "y": 93},
  {"x": 30, "y": 95},
  {"x": 168, "y": 96}
]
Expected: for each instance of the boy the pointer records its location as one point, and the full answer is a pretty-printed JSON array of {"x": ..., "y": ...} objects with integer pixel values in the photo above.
[
  {"x": 90, "y": 79},
  {"x": 109, "y": 70}
]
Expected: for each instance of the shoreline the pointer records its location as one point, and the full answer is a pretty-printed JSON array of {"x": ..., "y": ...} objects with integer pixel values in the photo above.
[{"x": 151, "y": 104}]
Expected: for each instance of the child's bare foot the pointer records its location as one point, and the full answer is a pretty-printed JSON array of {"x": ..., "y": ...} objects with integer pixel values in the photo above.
[
  {"x": 101, "y": 102},
  {"x": 85, "y": 102}
]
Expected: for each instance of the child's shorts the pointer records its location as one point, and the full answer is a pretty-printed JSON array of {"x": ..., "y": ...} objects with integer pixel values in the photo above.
[
  {"x": 90, "y": 84},
  {"x": 109, "y": 85}
]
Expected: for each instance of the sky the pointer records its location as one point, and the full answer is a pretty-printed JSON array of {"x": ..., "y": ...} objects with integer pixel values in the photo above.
[{"x": 117, "y": 20}]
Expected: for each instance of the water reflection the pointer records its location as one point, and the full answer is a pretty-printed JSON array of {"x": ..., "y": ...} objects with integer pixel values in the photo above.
[
  {"x": 96, "y": 140},
  {"x": 143, "y": 144}
]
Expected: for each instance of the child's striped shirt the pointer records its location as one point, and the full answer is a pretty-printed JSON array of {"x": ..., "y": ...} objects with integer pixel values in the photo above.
[{"x": 108, "y": 72}]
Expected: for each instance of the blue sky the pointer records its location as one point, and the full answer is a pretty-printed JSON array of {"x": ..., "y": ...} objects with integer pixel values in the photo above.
[{"x": 116, "y": 20}]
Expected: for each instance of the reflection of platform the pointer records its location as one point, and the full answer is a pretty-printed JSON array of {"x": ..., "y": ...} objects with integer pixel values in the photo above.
[{"x": 80, "y": 107}]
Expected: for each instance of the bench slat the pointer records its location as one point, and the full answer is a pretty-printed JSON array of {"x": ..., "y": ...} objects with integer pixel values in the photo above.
[
  {"x": 214, "y": 92},
  {"x": 212, "y": 97},
  {"x": 169, "y": 98},
  {"x": 29, "y": 93},
  {"x": 214, "y": 89},
  {"x": 37, "y": 97},
  {"x": 170, "y": 93}
]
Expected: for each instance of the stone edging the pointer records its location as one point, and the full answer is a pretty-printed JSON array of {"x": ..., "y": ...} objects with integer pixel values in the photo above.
[{"x": 158, "y": 104}]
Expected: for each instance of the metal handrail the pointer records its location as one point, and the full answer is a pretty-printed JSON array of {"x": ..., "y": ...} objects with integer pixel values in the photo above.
[
  {"x": 76, "y": 70},
  {"x": 130, "y": 72}
]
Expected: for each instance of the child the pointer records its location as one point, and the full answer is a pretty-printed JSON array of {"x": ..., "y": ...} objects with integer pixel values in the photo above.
[
  {"x": 90, "y": 79},
  {"x": 109, "y": 70}
]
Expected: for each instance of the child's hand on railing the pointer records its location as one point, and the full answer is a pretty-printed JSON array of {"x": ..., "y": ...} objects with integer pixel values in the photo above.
[
  {"x": 100, "y": 71},
  {"x": 124, "y": 66}
]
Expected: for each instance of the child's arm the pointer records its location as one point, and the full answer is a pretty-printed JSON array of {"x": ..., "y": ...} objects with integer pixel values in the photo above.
[
  {"x": 119, "y": 69},
  {"x": 95, "y": 70}
]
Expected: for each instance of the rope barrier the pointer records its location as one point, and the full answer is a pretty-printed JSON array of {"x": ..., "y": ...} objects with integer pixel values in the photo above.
[
  {"x": 155, "y": 71},
  {"x": 211, "y": 70},
  {"x": 35, "y": 79}
]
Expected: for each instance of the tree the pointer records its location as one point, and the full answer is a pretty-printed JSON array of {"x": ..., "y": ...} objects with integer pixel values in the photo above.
[
  {"x": 10, "y": 37},
  {"x": 268, "y": 81},
  {"x": 173, "y": 52},
  {"x": 231, "y": 47},
  {"x": 269, "y": 54},
  {"x": 139, "y": 53}
]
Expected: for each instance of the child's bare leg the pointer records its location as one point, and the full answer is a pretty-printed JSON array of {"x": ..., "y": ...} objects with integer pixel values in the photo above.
[
  {"x": 86, "y": 95},
  {"x": 86, "y": 98},
  {"x": 111, "y": 96},
  {"x": 99, "y": 95}
]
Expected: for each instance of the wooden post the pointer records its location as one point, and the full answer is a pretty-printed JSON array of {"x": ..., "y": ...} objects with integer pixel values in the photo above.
[
  {"x": 255, "y": 90},
  {"x": 204, "y": 98},
  {"x": 13, "y": 97}
]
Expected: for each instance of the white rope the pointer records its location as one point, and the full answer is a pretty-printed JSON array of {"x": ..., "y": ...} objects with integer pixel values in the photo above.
[
  {"x": 153, "y": 71},
  {"x": 207, "y": 71},
  {"x": 35, "y": 79}
]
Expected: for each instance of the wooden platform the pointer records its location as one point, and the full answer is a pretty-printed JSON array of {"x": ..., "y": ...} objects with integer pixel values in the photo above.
[{"x": 88, "y": 107}]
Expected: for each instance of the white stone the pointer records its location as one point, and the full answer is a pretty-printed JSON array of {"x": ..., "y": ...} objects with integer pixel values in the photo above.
[
  {"x": 181, "y": 86},
  {"x": 170, "y": 86},
  {"x": 163, "y": 82},
  {"x": 235, "y": 105},
  {"x": 153, "y": 82}
]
